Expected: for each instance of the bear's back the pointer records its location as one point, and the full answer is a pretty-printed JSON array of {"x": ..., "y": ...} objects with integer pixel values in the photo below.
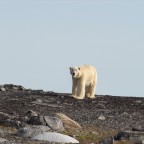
[{"x": 89, "y": 71}]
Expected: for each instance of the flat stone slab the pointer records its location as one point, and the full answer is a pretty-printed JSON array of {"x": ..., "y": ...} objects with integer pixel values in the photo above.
[{"x": 55, "y": 137}]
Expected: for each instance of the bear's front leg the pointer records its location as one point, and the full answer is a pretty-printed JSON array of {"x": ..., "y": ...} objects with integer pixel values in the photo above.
[
  {"x": 80, "y": 90},
  {"x": 74, "y": 88}
]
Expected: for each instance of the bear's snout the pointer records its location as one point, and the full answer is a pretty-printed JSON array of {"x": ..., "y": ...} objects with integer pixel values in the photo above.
[{"x": 73, "y": 74}]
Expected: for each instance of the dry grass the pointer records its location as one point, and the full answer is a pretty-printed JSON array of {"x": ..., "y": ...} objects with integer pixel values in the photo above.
[{"x": 8, "y": 130}]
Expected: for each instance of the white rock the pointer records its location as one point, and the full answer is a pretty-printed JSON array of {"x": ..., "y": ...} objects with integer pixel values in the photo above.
[
  {"x": 138, "y": 101},
  {"x": 55, "y": 137},
  {"x": 2, "y": 140},
  {"x": 101, "y": 117},
  {"x": 3, "y": 89}
]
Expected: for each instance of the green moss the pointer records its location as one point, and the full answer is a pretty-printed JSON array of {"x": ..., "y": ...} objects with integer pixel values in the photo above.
[{"x": 89, "y": 135}]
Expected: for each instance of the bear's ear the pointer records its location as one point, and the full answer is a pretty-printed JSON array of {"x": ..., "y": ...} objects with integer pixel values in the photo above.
[{"x": 70, "y": 68}]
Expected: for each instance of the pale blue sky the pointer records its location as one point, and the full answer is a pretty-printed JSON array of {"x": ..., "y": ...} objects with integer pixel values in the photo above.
[{"x": 41, "y": 39}]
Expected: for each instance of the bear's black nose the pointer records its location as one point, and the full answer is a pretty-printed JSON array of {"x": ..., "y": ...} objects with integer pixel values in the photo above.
[{"x": 73, "y": 73}]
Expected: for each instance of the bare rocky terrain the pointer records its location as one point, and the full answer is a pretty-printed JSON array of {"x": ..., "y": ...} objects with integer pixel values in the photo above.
[{"x": 104, "y": 115}]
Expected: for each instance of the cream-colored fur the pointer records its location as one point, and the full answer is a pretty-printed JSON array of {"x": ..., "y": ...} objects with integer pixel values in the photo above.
[{"x": 84, "y": 81}]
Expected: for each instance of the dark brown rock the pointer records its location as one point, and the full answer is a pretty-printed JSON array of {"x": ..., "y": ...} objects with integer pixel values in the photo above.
[{"x": 37, "y": 120}]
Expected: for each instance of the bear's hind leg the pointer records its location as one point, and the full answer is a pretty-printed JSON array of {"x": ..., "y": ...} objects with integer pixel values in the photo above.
[
  {"x": 87, "y": 91},
  {"x": 91, "y": 93}
]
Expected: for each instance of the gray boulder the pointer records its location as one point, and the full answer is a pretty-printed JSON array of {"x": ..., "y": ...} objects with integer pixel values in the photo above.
[
  {"x": 135, "y": 136},
  {"x": 32, "y": 130},
  {"x": 138, "y": 128},
  {"x": 37, "y": 120},
  {"x": 55, "y": 137},
  {"x": 54, "y": 123}
]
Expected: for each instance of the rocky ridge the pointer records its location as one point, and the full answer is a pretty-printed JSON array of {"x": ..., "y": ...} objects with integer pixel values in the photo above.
[{"x": 98, "y": 116}]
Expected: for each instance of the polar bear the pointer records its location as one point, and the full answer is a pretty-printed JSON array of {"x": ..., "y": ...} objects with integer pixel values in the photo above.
[{"x": 84, "y": 80}]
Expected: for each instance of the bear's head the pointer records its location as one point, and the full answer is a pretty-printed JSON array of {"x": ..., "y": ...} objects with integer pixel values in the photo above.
[{"x": 75, "y": 72}]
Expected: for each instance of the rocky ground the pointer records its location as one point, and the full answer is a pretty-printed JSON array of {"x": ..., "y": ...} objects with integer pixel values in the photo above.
[{"x": 103, "y": 116}]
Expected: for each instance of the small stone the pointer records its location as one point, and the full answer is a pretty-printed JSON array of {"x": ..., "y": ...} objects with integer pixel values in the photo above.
[
  {"x": 138, "y": 101},
  {"x": 22, "y": 88},
  {"x": 2, "y": 140},
  {"x": 100, "y": 106},
  {"x": 124, "y": 113},
  {"x": 15, "y": 88},
  {"x": 31, "y": 113},
  {"x": 108, "y": 140},
  {"x": 39, "y": 100},
  {"x": 2, "y": 89},
  {"x": 101, "y": 117}
]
